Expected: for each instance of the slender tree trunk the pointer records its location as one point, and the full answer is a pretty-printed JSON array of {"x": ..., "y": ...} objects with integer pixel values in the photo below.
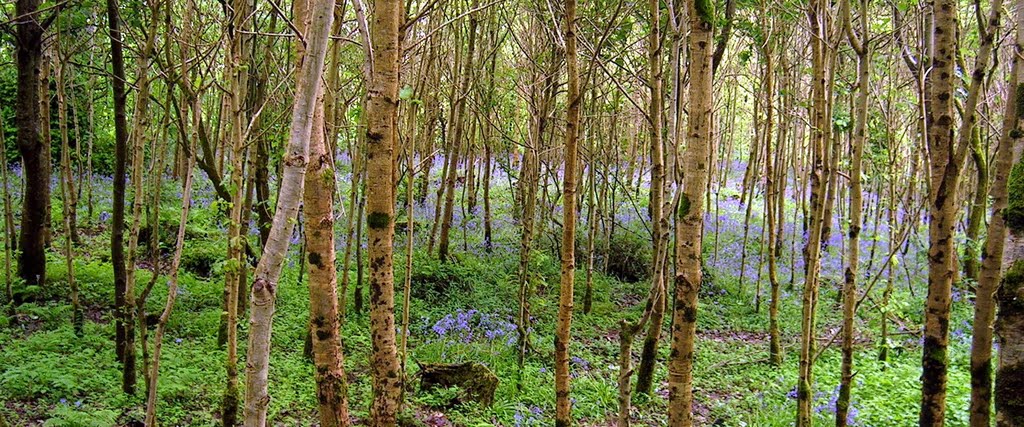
[
  {"x": 139, "y": 135},
  {"x": 849, "y": 294},
  {"x": 238, "y": 75},
  {"x": 588, "y": 294},
  {"x": 992, "y": 253},
  {"x": 976, "y": 217},
  {"x": 268, "y": 271},
  {"x": 67, "y": 188},
  {"x": 357, "y": 296},
  {"x": 563, "y": 411},
  {"x": 659, "y": 223},
  {"x": 458, "y": 124},
  {"x": 172, "y": 293},
  {"x": 772, "y": 206},
  {"x": 354, "y": 209},
  {"x": 8, "y": 229},
  {"x": 819, "y": 182}
]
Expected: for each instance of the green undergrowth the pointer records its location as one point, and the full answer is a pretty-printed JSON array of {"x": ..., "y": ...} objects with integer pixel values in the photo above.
[{"x": 461, "y": 310}]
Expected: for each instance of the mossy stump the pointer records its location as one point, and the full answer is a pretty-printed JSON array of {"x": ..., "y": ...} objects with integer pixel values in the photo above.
[{"x": 475, "y": 380}]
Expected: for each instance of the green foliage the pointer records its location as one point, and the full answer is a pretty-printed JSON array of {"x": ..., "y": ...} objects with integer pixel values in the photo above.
[
  {"x": 1014, "y": 212},
  {"x": 706, "y": 11},
  {"x": 204, "y": 258},
  {"x": 629, "y": 257},
  {"x": 68, "y": 416}
]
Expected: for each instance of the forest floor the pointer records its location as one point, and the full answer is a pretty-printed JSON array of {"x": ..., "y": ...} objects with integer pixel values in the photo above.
[
  {"x": 462, "y": 310},
  {"x": 51, "y": 377}
]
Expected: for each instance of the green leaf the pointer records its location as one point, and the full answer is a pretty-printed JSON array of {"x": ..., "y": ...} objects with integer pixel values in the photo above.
[{"x": 405, "y": 93}]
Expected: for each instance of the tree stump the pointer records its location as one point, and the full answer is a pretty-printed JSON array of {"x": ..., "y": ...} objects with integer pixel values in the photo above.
[{"x": 475, "y": 380}]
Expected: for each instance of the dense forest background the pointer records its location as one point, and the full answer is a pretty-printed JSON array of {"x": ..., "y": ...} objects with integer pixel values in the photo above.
[{"x": 512, "y": 212}]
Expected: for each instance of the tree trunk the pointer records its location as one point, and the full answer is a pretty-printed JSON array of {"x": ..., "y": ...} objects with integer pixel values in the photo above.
[
  {"x": 8, "y": 229},
  {"x": 659, "y": 223},
  {"x": 992, "y": 253},
  {"x": 381, "y": 136},
  {"x": 946, "y": 159},
  {"x": 849, "y": 294},
  {"x": 976, "y": 217},
  {"x": 563, "y": 409},
  {"x": 172, "y": 292},
  {"x": 819, "y": 178},
  {"x": 238, "y": 74},
  {"x": 35, "y": 164},
  {"x": 323, "y": 296},
  {"x": 268, "y": 271},
  {"x": 772, "y": 206},
  {"x": 68, "y": 196},
  {"x": 690, "y": 216},
  {"x": 1003, "y": 252}
]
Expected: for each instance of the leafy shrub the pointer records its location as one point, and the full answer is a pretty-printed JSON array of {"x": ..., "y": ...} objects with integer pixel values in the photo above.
[
  {"x": 433, "y": 280},
  {"x": 629, "y": 257},
  {"x": 203, "y": 257}
]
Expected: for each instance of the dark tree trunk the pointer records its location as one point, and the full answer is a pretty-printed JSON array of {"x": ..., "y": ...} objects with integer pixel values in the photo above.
[
  {"x": 120, "y": 159},
  {"x": 29, "y": 53}
]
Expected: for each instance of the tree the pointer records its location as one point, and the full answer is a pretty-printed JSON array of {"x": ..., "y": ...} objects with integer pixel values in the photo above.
[
  {"x": 458, "y": 122},
  {"x": 381, "y": 134},
  {"x": 268, "y": 271},
  {"x": 34, "y": 154},
  {"x": 117, "y": 81},
  {"x": 1008, "y": 203},
  {"x": 318, "y": 211},
  {"x": 659, "y": 222},
  {"x": 859, "y": 44},
  {"x": 993, "y": 252},
  {"x": 690, "y": 215},
  {"x": 165, "y": 315},
  {"x": 946, "y": 157},
  {"x": 237, "y": 75},
  {"x": 820, "y": 178},
  {"x": 563, "y": 411}
]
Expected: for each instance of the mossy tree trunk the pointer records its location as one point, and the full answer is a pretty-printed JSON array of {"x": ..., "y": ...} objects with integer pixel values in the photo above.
[
  {"x": 820, "y": 174},
  {"x": 1008, "y": 215},
  {"x": 238, "y": 80},
  {"x": 381, "y": 139},
  {"x": 659, "y": 223}
]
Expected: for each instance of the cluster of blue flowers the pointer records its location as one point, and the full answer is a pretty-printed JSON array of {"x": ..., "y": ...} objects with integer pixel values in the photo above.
[
  {"x": 532, "y": 417},
  {"x": 830, "y": 405},
  {"x": 472, "y": 325}
]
